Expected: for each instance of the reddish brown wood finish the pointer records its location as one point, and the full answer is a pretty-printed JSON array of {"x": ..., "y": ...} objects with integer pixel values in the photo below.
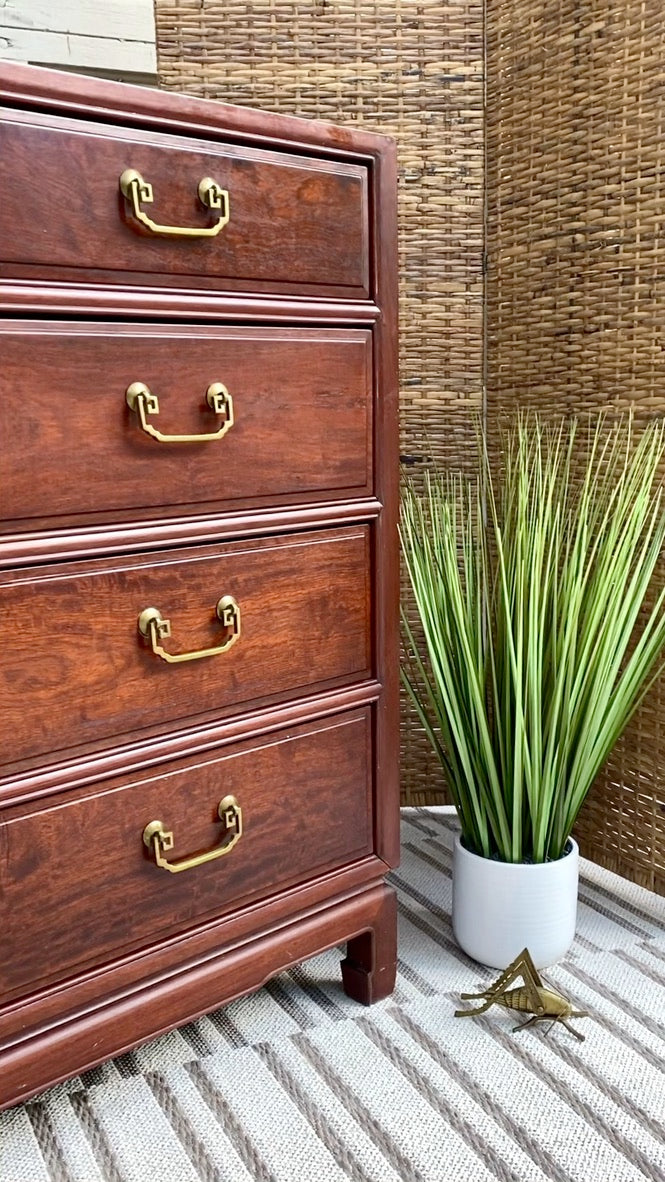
[
  {"x": 84, "y": 857},
  {"x": 307, "y": 700},
  {"x": 75, "y": 669},
  {"x": 24, "y": 550},
  {"x": 369, "y": 969},
  {"x": 302, "y": 401},
  {"x": 25, "y": 297},
  {"x": 385, "y": 562},
  {"x": 299, "y": 222}
]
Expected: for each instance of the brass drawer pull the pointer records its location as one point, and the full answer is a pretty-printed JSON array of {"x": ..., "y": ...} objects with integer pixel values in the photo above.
[
  {"x": 161, "y": 840},
  {"x": 137, "y": 190},
  {"x": 153, "y": 627},
  {"x": 143, "y": 402}
]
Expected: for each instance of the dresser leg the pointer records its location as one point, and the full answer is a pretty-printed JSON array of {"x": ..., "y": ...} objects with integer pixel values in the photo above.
[{"x": 368, "y": 972}]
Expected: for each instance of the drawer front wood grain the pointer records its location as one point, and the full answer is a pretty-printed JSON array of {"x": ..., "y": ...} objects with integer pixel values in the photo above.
[
  {"x": 295, "y": 223},
  {"x": 302, "y": 411},
  {"x": 77, "y": 883},
  {"x": 76, "y": 672}
]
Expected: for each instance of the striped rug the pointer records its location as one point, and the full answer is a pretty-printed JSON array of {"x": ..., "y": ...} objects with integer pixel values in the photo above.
[{"x": 298, "y": 1084}]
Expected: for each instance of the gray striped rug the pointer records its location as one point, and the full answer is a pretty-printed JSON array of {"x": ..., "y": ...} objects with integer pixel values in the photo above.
[{"x": 298, "y": 1084}]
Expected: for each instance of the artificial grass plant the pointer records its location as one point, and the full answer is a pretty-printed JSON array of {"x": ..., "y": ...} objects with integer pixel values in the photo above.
[{"x": 535, "y": 646}]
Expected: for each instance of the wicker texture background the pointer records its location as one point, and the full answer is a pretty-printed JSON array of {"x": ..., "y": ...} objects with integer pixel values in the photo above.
[
  {"x": 575, "y": 199},
  {"x": 412, "y": 70},
  {"x": 576, "y": 285}
]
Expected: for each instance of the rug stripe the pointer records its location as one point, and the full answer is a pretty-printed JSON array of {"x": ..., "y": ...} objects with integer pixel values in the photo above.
[
  {"x": 242, "y": 1143},
  {"x": 419, "y": 896},
  {"x": 100, "y": 1145},
  {"x": 94, "y": 1076},
  {"x": 226, "y": 1026},
  {"x": 446, "y": 942},
  {"x": 452, "y": 1119},
  {"x": 586, "y": 1071},
  {"x": 183, "y": 1129},
  {"x": 279, "y": 1131},
  {"x": 45, "y": 1134},
  {"x": 644, "y": 969},
  {"x": 204, "y": 1126},
  {"x": 127, "y": 1065},
  {"x": 381, "y": 1138},
  {"x": 290, "y": 1004},
  {"x": 614, "y": 917},
  {"x": 488, "y": 1103},
  {"x": 577, "y": 1104},
  {"x": 439, "y": 864},
  {"x": 73, "y": 1158},
  {"x": 603, "y": 990},
  {"x": 20, "y": 1156},
  {"x": 417, "y": 823},
  {"x": 426, "y": 1144},
  {"x": 442, "y": 820},
  {"x": 414, "y": 978},
  {"x": 345, "y": 1159},
  {"x": 193, "y": 1034},
  {"x": 620, "y": 904},
  {"x": 652, "y": 949},
  {"x": 316, "y": 994}
]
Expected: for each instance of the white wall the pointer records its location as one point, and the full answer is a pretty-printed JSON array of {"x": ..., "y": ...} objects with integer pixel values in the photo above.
[{"x": 114, "y": 37}]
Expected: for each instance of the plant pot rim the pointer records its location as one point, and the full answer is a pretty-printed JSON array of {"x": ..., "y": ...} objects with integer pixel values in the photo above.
[{"x": 571, "y": 848}]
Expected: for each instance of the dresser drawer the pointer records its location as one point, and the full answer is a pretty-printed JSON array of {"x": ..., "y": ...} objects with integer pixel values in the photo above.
[
  {"x": 77, "y": 881},
  {"x": 299, "y": 401},
  {"x": 295, "y": 223},
  {"x": 76, "y": 670}
]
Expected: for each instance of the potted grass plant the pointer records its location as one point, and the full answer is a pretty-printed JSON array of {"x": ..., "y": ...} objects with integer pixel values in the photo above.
[{"x": 536, "y": 638}]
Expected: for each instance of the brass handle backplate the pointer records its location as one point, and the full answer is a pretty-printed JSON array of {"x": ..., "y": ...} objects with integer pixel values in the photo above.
[
  {"x": 154, "y": 628},
  {"x": 138, "y": 192},
  {"x": 143, "y": 402},
  {"x": 160, "y": 840}
]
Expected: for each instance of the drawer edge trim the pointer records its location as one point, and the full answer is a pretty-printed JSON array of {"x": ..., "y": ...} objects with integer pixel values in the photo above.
[
  {"x": 31, "y": 549},
  {"x": 32, "y": 296},
  {"x": 130, "y": 758}
]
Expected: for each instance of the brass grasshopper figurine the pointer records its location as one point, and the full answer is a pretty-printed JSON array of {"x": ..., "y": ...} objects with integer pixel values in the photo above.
[{"x": 530, "y": 998}]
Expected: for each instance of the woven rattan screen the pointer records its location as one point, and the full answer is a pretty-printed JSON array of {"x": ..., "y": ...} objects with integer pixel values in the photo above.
[
  {"x": 576, "y": 284},
  {"x": 412, "y": 70}
]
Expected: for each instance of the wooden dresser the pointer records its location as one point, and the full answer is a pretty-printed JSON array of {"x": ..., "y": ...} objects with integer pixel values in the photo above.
[{"x": 198, "y": 562}]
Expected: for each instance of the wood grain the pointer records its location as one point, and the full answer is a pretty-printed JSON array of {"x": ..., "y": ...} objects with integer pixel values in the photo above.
[
  {"x": 302, "y": 408},
  {"x": 83, "y": 915},
  {"x": 75, "y": 669},
  {"x": 38, "y": 781},
  {"x": 293, "y": 220}
]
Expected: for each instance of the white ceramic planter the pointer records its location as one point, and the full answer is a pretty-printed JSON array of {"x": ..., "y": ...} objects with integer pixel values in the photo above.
[{"x": 499, "y": 908}]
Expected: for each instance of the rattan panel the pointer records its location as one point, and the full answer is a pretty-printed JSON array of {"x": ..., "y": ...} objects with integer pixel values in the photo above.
[
  {"x": 576, "y": 285},
  {"x": 412, "y": 70}
]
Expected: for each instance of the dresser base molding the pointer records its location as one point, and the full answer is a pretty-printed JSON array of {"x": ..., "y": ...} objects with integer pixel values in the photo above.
[{"x": 367, "y": 921}]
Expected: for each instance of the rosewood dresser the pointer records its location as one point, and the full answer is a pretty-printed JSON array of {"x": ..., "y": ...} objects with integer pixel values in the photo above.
[{"x": 198, "y": 562}]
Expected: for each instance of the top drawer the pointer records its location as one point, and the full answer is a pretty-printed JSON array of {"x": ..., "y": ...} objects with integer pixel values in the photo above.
[{"x": 288, "y": 223}]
